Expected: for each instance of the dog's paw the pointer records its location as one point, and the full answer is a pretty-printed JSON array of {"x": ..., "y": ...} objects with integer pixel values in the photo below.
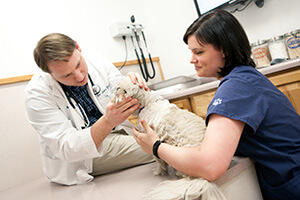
[
  {"x": 179, "y": 174},
  {"x": 161, "y": 168},
  {"x": 158, "y": 172}
]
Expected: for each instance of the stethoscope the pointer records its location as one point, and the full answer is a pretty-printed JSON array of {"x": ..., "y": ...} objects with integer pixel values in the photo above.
[{"x": 96, "y": 90}]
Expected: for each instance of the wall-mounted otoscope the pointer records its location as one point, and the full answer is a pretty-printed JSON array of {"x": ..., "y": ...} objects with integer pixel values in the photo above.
[
  {"x": 144, "y": 70},
  {"x": 135, "y": 32}
]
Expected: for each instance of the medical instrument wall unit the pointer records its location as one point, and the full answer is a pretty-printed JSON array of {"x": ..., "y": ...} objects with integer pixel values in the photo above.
[{"x": 135, "y": 32}]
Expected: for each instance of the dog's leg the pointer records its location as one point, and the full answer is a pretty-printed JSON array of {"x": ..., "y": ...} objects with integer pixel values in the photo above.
[{"x": 161, "y": 167}]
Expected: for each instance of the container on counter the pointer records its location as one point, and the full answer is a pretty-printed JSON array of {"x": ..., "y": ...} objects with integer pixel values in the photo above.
[
  {"x": 292, "y": 40},
  {"x": 278, "y": 48},
  {"x": 261, "y": 53}
]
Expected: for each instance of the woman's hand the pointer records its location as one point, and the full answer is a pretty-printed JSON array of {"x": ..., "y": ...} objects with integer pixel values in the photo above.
[
  {"x": 116, "y": 113},
  {"x": 136, "y": 78},
  {"x": 145, "y": 140}
]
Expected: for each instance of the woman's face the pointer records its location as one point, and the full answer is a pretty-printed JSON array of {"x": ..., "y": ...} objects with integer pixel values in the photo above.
[{"x": 206, "y": 58}]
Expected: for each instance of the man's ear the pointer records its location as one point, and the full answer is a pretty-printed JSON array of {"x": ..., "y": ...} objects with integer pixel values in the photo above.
[{"x": 77, "y": 46}]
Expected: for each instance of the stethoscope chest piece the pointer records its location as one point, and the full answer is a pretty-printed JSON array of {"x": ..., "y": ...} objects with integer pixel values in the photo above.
[{"x": 96, "y": 89}]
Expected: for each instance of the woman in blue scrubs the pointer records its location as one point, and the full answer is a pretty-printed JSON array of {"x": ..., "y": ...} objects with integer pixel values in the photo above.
[{"x": 248, "y": 115}]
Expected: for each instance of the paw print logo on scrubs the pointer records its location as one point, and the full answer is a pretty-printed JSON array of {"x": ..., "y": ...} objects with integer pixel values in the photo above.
[{"x": 217, "y": 101}]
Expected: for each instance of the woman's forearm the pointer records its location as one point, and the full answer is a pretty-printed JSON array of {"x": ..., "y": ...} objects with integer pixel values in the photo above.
[{"x": 193, "y": 161}]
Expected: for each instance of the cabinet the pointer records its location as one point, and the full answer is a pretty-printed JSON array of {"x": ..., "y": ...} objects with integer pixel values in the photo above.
[
  {"x": 201, "y": 101},
  {"x": 196, "y": 103},
  {"x": 183, "y": 104},
  {"x": 288, "y": 83},
  {"x": 133, "y": 119}
]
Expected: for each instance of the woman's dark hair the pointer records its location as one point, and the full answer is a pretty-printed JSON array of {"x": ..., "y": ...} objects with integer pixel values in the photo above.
[{"x": 222, "y": 30}]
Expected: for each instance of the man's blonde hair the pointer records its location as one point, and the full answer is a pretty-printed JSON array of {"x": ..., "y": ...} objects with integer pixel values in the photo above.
[{"x": 53, "y": 47}]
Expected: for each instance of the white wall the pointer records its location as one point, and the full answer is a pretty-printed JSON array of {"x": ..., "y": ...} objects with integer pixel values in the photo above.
[
  {"x": 23, "y": 23},
  {"x": 276, "y": 17},
  {"x": 169, "y": 19}
]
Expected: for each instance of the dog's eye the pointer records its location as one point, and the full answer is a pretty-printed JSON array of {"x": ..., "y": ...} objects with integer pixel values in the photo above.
[{"x": 125, "y": 92}]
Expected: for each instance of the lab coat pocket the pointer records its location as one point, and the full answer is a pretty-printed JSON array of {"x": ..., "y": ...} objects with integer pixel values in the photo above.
[{"x": 55, "y": 169}]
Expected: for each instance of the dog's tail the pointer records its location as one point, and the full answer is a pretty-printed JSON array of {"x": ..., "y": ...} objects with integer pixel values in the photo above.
[{"x": 187, "y": 189}]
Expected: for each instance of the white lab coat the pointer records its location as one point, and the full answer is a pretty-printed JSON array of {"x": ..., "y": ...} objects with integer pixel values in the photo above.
[{"x": 67, "y": 150}]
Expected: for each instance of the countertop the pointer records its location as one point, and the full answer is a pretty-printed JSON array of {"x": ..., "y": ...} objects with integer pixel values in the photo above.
[{"x": 212, "y": 85}]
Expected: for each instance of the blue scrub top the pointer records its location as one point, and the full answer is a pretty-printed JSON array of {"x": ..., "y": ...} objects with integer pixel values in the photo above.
[{"x": 271, "y": 136}]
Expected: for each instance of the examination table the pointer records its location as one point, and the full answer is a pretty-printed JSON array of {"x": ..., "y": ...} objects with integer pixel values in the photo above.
[{"x": 239, "y": 182}]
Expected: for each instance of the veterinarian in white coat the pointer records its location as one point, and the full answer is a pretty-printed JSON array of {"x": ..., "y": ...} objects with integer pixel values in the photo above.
[
  {"x": 248, "y": 115},
  {"x": 73, "y": 147}
]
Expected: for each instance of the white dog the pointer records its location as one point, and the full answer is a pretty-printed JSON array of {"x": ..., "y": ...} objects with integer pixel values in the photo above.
[{"x": 176, "y": 127}]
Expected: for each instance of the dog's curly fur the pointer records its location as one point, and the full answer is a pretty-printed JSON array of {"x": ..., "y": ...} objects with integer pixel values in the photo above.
[{"x": 173, "y": 125}]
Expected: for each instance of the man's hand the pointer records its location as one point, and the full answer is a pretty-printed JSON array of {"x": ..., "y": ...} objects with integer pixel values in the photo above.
[
  {"x": 116, "y": 113},
  {"x": 136, "y": 78}
]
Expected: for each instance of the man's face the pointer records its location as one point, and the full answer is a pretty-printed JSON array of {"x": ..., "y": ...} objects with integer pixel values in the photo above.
[{"x": 72, "y": 73}]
